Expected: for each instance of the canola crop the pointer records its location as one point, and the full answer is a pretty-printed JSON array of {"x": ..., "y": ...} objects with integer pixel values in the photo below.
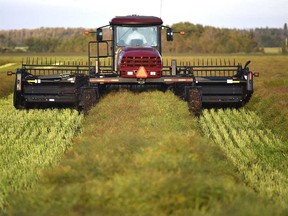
[
  {"x": 259, "y": 155},
  {"x": 30, "y": 141}
]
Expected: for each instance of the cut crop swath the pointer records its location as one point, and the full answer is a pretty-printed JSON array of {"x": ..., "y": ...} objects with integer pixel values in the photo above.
[
  {"x": 258, "y": 154},
  {"x": 30, "y": 141}
]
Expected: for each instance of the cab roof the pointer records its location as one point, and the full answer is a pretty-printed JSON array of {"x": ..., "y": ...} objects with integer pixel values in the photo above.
[{"x": 136, "y": 20}]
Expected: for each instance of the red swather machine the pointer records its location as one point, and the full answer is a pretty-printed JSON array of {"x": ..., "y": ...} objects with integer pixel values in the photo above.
[{"x": 131, "y": 59}]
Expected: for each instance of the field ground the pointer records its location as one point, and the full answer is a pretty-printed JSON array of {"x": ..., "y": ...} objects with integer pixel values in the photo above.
[
  {"x": 272, "y": 50},
  {"x": 7, "y": 65},
  {"x": 144, "y": 154}
]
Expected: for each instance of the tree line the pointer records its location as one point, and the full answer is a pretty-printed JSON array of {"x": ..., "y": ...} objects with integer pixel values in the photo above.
[
  {"x": 197, "y": 39},
  {"x": 44, "y": 40}
]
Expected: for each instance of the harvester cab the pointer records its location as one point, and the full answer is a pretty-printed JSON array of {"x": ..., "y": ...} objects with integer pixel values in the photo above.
[
  {"x": 131, "y": 57},
  {"x": 136, "y": 41}
]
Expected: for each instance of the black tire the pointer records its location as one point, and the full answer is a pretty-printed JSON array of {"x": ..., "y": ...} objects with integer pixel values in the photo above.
[
  {"x": 179, "y": 90},
  {"x": 89, "y": 99},
  {"x": 246, "y": 99},
  {"x": 195, "y": 101}
]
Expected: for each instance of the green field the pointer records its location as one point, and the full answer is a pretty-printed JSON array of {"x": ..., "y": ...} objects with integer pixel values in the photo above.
[
  {"x": 144, "y": 154},
  {"x": 272, "y": 50}
]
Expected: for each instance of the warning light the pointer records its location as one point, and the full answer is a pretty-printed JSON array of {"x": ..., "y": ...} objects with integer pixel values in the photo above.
[
  {"x": 182, "y": 33},
  {"x": 10, "y": 73},
  {"x": 256, "y": 74},
  {"x": 86, "y": 32},
  {"x": 250, "y": 75}
]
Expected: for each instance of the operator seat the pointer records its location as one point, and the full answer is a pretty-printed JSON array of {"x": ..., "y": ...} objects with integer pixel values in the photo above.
[{"x": 136, "y": 42}]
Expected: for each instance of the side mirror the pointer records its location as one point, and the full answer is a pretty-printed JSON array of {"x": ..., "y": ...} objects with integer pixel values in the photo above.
[
  {"x": 99, "y": 34},
  {"x": 10, "y": 73},
  {"x": 169, "y": 34}
]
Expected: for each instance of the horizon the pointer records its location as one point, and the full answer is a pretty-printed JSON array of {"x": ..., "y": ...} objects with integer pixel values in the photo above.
[
  {"x": 85, "y": 13},
  {"x": 61, "y": 27}
]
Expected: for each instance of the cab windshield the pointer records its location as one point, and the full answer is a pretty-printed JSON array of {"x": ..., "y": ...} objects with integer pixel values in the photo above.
[{"x": 136, "y": 36}]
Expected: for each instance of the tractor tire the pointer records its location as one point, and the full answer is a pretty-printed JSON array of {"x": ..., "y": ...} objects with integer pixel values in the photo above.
[
  {"x": 18, "y": 102},
  {"x": 89, "y": 99},
  {"x": 195, "y": 101},
  {"x": 179, "y": 90}
]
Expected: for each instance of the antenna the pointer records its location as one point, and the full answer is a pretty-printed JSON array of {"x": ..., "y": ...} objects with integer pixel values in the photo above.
[{"x": 160, "y": 8}]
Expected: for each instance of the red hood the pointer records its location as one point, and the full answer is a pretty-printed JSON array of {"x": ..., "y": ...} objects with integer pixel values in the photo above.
[{"x": 139, "y": 52}]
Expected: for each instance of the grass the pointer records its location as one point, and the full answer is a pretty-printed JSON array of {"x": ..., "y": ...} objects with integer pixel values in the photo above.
[
  {"x": 142, "y": 154},
  {"x": 31, "y": 141},
  {"x": 149, "y": 160},
  {"x": 7, "y": 83},
  {"x": 270, "y": 100}
]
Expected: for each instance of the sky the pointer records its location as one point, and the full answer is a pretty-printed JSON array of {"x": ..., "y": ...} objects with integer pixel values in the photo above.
[{"x": 240, "y": 14}]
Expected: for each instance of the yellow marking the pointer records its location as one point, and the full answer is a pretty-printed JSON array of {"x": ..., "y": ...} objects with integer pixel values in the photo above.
[
  {"x": 104, "y": 80},
  {"x": 230, "y": 81},
  {"x": 178, "y": 80}
]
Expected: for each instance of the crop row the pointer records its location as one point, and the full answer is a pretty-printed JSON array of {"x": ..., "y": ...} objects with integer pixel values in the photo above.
[
  {"x": 258, "y": 154},
  {"x": 139, "y": 154},
  {"x": 30, "y": 141}
]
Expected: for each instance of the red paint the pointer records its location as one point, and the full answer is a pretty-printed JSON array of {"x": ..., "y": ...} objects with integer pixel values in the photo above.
[
  {"x": 136, "y": 20},
  {"x": 131, "y": 58}
]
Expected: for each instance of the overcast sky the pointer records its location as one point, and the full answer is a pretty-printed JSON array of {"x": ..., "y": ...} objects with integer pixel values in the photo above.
[{"x": 19, "y": 14}]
